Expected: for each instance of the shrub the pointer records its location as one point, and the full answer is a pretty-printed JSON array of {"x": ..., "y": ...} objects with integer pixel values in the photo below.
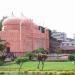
[
  {"x": 33, "y": 73},
  {"x": 21, "y": 60},
  {"x": 50, "y": 73},
  {"x": 71, "y": 57},
  {"x": 30, "y": 55},
  {"x": 2, "y": 73},
  {"x": 2, "y": 47},
  {"x": 46, "y": 73},
  {"x": 40, "y": 50},
  {"x": 25, "y": 72},
  {"x": 38, "y": 73},
  {"x": 1, "y": 62},
  {"x": 67, "y": 73}
]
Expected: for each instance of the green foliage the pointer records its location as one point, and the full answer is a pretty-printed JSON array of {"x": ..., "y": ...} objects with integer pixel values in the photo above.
[
  {"x": 20, "y": 60},
  {"x": 57, "y": 60},
  {"x": 66, "y": 73},
  {"x": 2, "y": 57},
  {"x": 25, "y": 72},
  {"x": 39, "y": 73},
  {"x": 40, "y": 50},
  {"x": 50, "y": 73},
  {"x": 1, "y": 22},
  {"x": 46, "y": 73},
  {"x": 30, "y": 55},
  {"x": 2, "y": 73},
  {"x": 1, "y": 62},
  {"x": 71, "y": 57},
  {"x": 2, "y": 47}
]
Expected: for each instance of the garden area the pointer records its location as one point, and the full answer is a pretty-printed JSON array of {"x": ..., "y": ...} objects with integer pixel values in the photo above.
[
  {"x": 27, "y": 66},
  {"x": 30, "y": 68},
  {"x": 34, "y": 63},
  {"x": 48, "y": 66}
]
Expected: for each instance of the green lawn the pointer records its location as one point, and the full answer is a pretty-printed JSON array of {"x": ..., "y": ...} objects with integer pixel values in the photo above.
[{"x": 33, "y": 66}]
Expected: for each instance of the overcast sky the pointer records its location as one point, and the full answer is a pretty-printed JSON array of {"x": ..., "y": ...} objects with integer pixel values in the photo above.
[{"x": 54, "y": 14}]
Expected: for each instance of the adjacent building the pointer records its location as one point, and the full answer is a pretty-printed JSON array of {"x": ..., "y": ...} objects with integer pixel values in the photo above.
[
  {"x": 59, "y": 35},
  {"x": 67, "y": 45},
  {"x": 54, "y": 43}
]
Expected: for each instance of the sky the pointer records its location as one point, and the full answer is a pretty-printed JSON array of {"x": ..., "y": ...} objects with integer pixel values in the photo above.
[{"x": 54, "y": 14}]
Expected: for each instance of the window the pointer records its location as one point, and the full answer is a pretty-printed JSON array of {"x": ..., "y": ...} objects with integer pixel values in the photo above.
[
  {"x": 42, "y": 29},
  {"x": 67, "y": 44},
  {"x": 39, "y": 28},
  {"x": 62, "y": 44},
  {"x": 72, "y": 44}
]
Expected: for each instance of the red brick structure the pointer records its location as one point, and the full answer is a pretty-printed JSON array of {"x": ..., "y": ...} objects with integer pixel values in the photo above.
[{"x": 22, "y": 35}]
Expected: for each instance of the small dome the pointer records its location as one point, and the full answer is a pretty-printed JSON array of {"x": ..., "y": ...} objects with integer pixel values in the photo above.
[{"x": 11, "y": 20}]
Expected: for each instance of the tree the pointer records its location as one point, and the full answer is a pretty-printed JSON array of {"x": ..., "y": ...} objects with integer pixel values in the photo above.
[
  {"x": 20, "y": 61},
  {"x": 41, "y": 55},
  {"x": 1, "y": 22},
  {"x": 2, "y": 47},
  {"x": 5, "y": 52},
  {"x": 30, "y": 55},
  {"x": 41, "y": 58},
  {"x": 39, "y": 50}
]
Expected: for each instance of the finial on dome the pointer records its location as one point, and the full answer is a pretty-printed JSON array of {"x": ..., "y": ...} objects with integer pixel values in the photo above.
[
  {"x": 12, "y": 13},
  {"x": 22, "y": 14}
]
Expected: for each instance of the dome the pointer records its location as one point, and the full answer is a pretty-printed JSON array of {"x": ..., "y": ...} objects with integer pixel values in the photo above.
[
  {"x": 11, "y": 21},
  {"x": 16, "y": 20}
]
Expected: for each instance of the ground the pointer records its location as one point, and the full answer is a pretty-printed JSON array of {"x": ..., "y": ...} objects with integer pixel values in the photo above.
[{"x": 32, "y": 65}]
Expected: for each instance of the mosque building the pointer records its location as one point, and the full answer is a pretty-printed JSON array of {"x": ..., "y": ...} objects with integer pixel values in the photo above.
[{"x": 22, "y": 34}]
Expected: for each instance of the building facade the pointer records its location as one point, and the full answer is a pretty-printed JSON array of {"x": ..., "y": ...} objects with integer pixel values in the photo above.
[
  {"x": 54, "y": 42},
  {"x": 59, "y": 35},
  {"x": 67, "y": 45},
  {"x": 23, "y": 35}
]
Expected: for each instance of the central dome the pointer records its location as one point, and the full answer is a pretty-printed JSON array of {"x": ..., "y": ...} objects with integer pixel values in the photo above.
[
  {"x": 13, "y": 23},
  {"x": 15, "y": 20},
  {"x": 11, "y": 20}
]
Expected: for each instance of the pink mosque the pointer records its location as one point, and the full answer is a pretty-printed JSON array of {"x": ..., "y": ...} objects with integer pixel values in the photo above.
[{"x": 22, "y": 35}]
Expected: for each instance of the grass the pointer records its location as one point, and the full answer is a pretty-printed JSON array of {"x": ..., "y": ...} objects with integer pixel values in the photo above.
[{"x": 32, "y": 65}]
